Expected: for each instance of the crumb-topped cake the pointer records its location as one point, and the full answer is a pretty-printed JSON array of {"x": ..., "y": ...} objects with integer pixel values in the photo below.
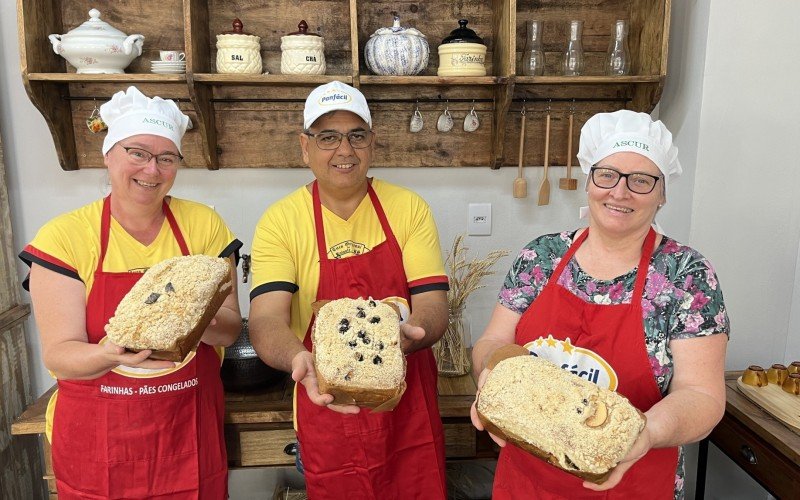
[
  {"x": 357, "y": 350},
  {"x": 172, "y": 302},
  {"x": 570, "y": 422}
]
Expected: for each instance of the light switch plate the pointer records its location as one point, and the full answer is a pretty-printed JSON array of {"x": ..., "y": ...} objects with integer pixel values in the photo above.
[{"x": 479, "y": 222}]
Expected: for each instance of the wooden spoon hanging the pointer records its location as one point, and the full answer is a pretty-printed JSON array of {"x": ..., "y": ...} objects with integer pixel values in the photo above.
[
  {"x": 569, "y": 183},
  {"x": 544, "y": 188},
  {"x": 520, "y": 184}
]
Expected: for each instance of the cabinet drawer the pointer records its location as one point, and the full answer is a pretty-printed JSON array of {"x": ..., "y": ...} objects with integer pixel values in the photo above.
[
  {"x": 459, "y": 440},
  {"x": 777, "y": 474},
  {"x": 266, "y": 447}
]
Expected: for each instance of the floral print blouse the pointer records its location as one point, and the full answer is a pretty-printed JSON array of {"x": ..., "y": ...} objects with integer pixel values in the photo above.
[{"x": 682, "y": 298}]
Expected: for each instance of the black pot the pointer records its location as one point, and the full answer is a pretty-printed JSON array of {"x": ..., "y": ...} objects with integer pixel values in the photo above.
[{"x": 243, "y": 370}]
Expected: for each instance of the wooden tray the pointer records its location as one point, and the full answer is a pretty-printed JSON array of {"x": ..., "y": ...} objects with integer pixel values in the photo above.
[{"x": 783, "y": 406}]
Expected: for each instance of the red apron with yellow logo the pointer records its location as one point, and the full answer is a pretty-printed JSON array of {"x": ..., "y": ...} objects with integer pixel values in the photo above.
[
  {"x": 139, "y": 434},
  {"x": 397, "y": 454},
  {"x": 615, "y": 335}
]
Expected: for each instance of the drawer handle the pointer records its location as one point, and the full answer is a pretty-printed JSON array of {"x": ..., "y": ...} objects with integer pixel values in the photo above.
[
  {"x": 290, "y": 449},
  {"x": 749, "y": 454}
]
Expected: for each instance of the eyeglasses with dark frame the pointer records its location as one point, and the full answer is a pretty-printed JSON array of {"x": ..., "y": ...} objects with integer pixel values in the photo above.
[
  {"x": 637, "y": 182},
  {"x": 139, "y": 156},
  {"x": 330, "y": 139}
]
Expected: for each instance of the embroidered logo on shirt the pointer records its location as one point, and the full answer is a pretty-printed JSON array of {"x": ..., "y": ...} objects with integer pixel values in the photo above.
[
  {"x": 347, "y": 248},
  {"x": 582, "y": 362}
]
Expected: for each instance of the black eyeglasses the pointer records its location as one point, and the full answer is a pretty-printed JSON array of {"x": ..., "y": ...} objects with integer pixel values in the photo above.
[
  {"x": 358, "y": 139},
  {"x": 637, "y": 182},
  {"x": 139, "y": 156}
]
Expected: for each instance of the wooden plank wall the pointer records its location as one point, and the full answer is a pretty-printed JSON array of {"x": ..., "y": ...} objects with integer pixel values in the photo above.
[{"x": 20, "y": 467}]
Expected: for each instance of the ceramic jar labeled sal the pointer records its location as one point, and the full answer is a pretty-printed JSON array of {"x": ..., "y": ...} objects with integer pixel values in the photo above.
[
  {"x": 96, "y": 47},
  {"x": 397, "y": 51},
  {"x": 238, "y": 52}
]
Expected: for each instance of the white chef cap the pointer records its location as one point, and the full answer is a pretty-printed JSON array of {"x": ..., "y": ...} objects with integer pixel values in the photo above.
[
  {"x": 607, "y": 133},
  {"x": 335, "y": 96},
  {"x": 132, "y": 113}
]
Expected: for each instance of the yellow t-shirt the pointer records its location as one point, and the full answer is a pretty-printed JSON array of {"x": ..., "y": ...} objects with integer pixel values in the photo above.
[
  {"x": 70, "y": 243},
  {"x": 285, "y": 257}
]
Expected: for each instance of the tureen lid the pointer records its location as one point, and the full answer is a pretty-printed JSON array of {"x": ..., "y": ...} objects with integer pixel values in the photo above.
[
  {"x": 96, "y": 28},
  {"x": 302, "y": 28},
  {"x": 396, "y": 29},
  {"x": 462, "y": 34}
]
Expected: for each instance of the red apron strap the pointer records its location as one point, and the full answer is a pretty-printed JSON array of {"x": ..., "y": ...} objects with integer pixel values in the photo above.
[
  {"x": 318, "y": 222},
  {"x": 387, "y": 230},
  {"x": 176, "y": 230},
  {"x": 644, "y": 263}
]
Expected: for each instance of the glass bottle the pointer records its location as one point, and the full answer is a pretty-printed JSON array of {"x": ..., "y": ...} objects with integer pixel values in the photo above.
[
  {"x": 619, "y": 63},
  {"x": 533, "y": 56},
  {"x": 573, "y": 56}
]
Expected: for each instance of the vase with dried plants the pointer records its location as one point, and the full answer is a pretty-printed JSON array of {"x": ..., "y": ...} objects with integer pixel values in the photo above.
[{"x": 452, "y": 358}]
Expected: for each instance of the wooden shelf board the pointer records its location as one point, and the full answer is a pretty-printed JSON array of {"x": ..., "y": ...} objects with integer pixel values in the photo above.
[
  {"x": 234, "y": 79},
  {"x": 428, "y": 80},
  {"x": 108, "y": 78},
  {"x": 550, "y": 80}
]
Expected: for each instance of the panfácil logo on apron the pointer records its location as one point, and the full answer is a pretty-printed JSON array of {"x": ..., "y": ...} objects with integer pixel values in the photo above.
[{"x": 582, "y": 362}]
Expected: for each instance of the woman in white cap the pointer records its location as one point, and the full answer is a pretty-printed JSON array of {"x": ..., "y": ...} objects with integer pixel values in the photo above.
[
  {"x": 121, "y": 425},
  {"x": 646, "y": 311}
]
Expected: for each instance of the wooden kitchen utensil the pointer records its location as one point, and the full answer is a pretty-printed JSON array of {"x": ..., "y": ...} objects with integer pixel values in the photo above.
[
  {"x": 544, "y": 187},
  {"x": 520, "y": 184},
  {"x": 569, "y": 183}
]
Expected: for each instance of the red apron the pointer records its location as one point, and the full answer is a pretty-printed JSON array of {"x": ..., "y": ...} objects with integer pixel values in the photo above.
[
  {"x": 128, "y": 437},
  {"x": 397, "y": 454},
  {"x": 615, "y": 333}
]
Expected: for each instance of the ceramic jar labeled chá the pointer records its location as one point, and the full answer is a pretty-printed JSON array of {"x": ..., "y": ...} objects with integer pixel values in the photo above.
[
  {"x": 302, "y": 53},
  {"x": 462, "y": 53},
  {"x": 238, "y": 52}
]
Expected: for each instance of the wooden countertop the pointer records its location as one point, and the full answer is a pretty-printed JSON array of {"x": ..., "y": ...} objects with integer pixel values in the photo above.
[
  {"x": 759, "y": 421},
  {"x": 271, "y": 405}
]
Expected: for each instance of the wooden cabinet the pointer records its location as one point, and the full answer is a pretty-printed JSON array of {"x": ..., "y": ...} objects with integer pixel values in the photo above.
[
  {"x": 258, "y": 425},
  {"x": 253, "y": 120}
]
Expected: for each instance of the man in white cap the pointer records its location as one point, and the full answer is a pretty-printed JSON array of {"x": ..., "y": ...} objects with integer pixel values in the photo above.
[
  {"x": 348, "y": 235},
  {"x": 619, "y": 304},
  {"x": 122, "y": 425}
]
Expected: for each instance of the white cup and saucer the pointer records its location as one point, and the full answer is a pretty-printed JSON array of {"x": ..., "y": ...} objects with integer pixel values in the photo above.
[{"x": 170, "y": 62}]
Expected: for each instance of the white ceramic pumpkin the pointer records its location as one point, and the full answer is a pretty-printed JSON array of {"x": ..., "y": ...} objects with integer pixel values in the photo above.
[{"x": 397, "y": 51}]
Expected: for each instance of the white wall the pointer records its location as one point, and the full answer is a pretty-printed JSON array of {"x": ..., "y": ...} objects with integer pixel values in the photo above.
[{"x": 730, "y": 100}]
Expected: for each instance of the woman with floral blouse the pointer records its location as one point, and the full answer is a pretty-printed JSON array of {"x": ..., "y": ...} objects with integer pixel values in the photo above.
[{"x": 621, "y": 305}]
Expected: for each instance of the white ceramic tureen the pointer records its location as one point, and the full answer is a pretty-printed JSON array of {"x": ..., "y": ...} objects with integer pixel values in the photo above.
[
  {"x": 97, "y": 47},
  {"x": 397, "y": 51}
]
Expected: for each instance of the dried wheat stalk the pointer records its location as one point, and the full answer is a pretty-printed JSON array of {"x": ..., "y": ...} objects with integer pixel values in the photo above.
[{"x": 465, "y": 277}]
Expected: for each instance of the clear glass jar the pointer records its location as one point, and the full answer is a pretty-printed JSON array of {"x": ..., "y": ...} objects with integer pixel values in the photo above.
[
  {"x": 573, "y": 56},
  {"x": 619, "y": 63},
  {"x": 451, "y": 352},
  {"x": 533, "y": 57}
]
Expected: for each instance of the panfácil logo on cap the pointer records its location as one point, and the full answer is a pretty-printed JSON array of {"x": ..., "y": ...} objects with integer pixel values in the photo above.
[{"x": 334, "y": 97}]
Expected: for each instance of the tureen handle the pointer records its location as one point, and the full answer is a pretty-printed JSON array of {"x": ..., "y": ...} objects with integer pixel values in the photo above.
[
  {"x": 56, "y": 41},
  {"x": 131, "y": 42}
]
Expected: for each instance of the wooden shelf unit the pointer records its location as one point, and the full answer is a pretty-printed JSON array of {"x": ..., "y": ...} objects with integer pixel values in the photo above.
[{"x": 253, "y": 120}]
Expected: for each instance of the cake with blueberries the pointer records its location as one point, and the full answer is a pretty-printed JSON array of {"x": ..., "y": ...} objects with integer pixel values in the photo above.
[{"x": 357, "y": 352}]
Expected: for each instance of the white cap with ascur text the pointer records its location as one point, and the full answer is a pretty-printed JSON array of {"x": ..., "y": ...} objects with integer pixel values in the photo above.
[{"x": 335, "y": 96}]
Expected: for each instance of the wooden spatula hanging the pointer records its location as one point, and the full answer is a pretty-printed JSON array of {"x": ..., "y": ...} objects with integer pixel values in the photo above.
[
  {"x": 544, "y": 188},
  {"x": 520, "y": 184},
  {"x": 569, "y": 183}
]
